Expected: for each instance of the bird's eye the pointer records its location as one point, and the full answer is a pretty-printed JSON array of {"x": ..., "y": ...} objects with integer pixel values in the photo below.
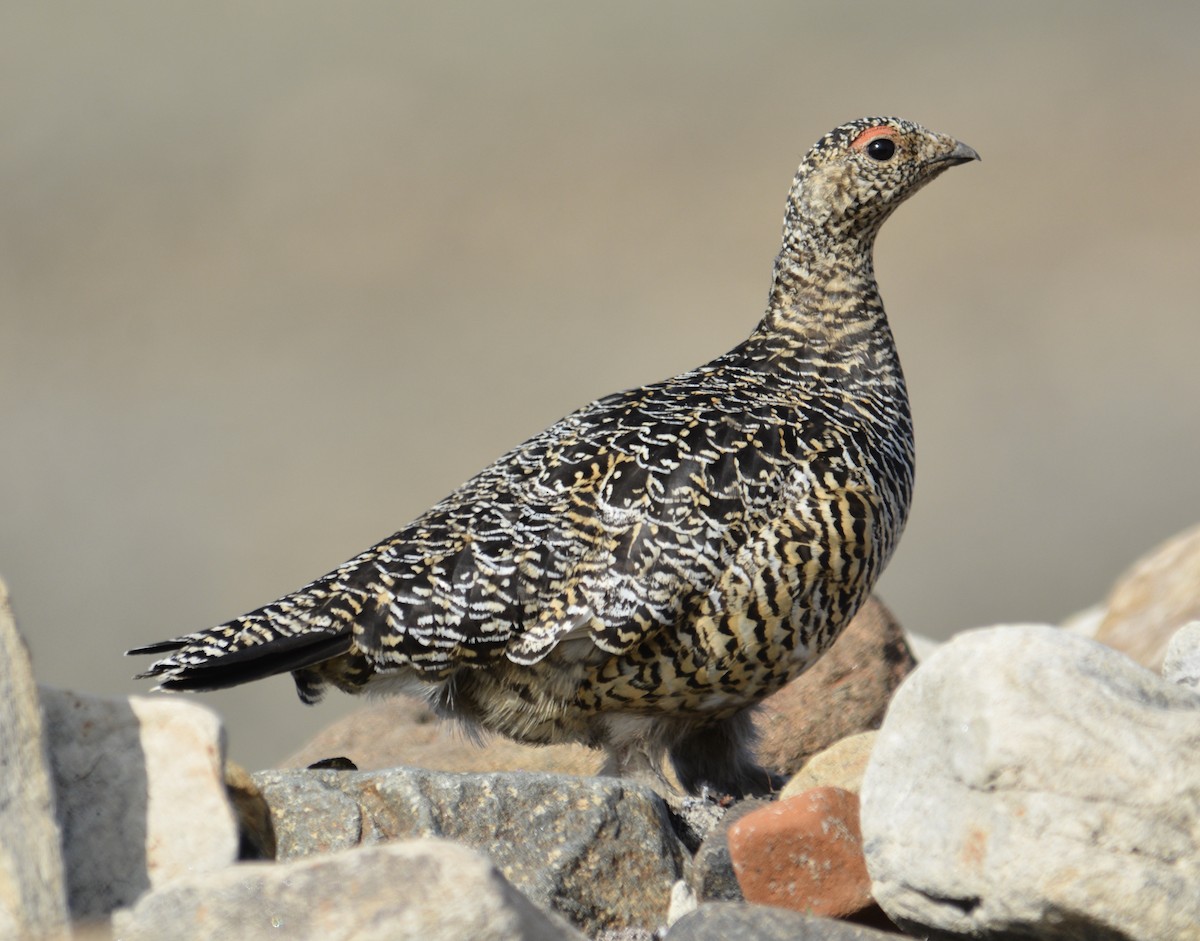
[{"x": 881, "y": 149}]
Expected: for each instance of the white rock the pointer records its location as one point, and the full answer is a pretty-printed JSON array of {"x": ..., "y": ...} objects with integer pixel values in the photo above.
[
  {"x": 1085, "y": 623},
  {"x": 141, "y": 794},
  {"x": 1030, "y": 782},
  {"x": 425, "y": 890},
  {"x": 922, "y": 647},
  {"x": 683, "y": 902},
  {"x": 32, "y": 895},
  {"x": 1182, "y": 662}
]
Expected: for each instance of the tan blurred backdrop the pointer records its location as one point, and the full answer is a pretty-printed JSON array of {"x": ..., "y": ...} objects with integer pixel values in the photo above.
[{"x": 276, "y": 276}]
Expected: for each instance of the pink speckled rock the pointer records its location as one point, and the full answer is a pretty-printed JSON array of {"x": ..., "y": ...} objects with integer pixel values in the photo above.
[
  {"x": 803, "y": 853},
  {"x": 1154, "y": 599}
]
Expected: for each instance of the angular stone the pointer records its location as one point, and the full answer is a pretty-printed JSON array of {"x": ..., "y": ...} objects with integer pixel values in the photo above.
[
  {"x": 803, "y": 853},
  {"x": 712, "y": 877},
  {"x": 726, "y": 921},
  {"x": 33, "y": 899},
  {"x": 141, "y": 794},
  {"x": 256, "y": 833},
  {"x": 427, "y": 889},
  {"x": 694, "y": 817},
  {"x": 1031, "y": 783},
  {"x": 845, "y": 692},
  {"x": 1158, "y": 595},
  {"x": 600, "y": 851},
  {"x": 402, "y": 731},
  {"x": 1181, "y": 664},
  {"x": 683, "y": 901},
  {"x": 626, "y": 934},
  {"x": 842, "y": 764}
]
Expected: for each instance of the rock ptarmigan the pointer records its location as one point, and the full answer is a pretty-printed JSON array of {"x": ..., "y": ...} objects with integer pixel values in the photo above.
[{"x": 645, "y": 570}]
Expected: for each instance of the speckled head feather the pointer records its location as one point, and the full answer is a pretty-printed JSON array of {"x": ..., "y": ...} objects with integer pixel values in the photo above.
[
  {"x": 857, "y": 174},
  {"x": 644, "y": 571}
]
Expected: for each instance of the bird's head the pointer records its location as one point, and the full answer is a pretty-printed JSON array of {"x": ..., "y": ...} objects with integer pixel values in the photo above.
[{"x": 857, "y": 174}]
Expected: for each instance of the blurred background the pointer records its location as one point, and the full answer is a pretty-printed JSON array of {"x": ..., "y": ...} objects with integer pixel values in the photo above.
[{"x": 276, "y": 276}]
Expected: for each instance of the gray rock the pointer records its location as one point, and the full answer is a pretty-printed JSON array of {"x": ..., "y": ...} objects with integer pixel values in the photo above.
[
  {"x": 724, "y": 921},
  {"x": 694, "y": 817},
  {"x": 141, "y": 794},
  {"x": 599, "y": 851},
  {"x": 33, "y": 899},
  {"x": 1182, "y": 662},
  {"x": 427, "y": 890},
  {"x": 1031, "y": 783},
  {"x": 712, "y": 877}
]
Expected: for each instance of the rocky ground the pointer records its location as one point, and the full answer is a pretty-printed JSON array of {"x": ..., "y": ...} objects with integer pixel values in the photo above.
[{"x": 1022, "y": 781}]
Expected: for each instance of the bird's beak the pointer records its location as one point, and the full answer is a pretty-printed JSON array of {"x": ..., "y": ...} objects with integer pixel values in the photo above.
[{"x": 960, "y": 154}]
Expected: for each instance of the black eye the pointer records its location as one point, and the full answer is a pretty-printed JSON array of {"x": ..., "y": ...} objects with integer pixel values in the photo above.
[{"x": 881, "y": 148}]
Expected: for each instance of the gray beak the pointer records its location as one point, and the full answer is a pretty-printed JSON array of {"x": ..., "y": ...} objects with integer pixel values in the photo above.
[{"x": 960, "y": 154}]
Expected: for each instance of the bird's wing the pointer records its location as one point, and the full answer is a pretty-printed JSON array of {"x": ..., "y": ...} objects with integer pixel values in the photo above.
[{"x": 607, "y": 525}]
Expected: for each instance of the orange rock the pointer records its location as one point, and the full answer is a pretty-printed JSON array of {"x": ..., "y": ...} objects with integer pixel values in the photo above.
[
  {"x": 1153, "y": 600},
  {"x": 803, "y": 853}
]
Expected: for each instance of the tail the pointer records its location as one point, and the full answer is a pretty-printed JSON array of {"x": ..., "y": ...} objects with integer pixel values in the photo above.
[{"x": 248, "y": 648}]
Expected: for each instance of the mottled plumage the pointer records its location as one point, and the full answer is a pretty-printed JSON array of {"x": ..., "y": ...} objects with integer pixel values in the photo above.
[{"x": 645, "y": 570}]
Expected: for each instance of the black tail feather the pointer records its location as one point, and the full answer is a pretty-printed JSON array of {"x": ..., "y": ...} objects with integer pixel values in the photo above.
[
  {"x": 281, "y": 655},
  {"x": 163, "y": 646}
]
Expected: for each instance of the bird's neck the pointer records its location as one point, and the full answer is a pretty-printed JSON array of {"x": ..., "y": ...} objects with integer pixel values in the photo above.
[{"x": 825, "y": 316}]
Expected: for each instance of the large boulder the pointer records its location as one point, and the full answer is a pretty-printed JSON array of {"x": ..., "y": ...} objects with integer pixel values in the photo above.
[
  {"x": 1182, "y": 661},
  {"x": 427, "y": 890},
  {"x": 600, "y": 851},
  {"x": 141, "y": 794},
  {"x": 32, "y": 887},
  {"x": 1031, "y": 783}
]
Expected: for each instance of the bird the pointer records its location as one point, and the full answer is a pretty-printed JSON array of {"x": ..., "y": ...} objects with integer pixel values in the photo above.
[{"x": 641, "y": 574}]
